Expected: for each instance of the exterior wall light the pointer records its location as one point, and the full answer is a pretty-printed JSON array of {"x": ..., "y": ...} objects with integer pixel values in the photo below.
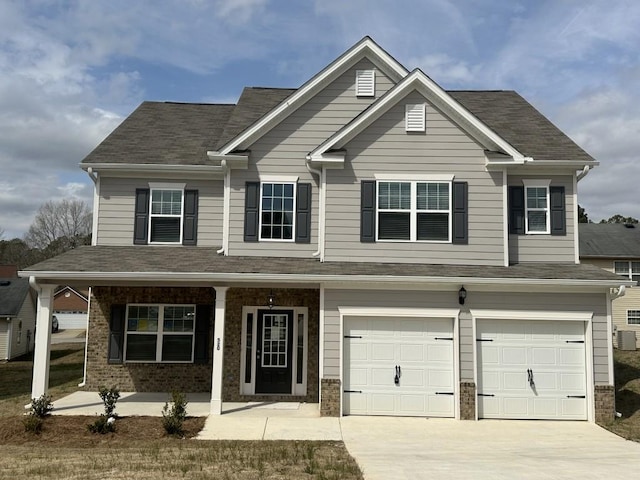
[
  {"x": 271, "y": 300},
  {"x": 462, "y": 295}
]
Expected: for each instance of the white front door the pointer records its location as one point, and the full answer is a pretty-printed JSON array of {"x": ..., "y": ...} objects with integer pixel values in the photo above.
[
  {"x": 398, "y": 366},
  {"x": 531, "y": 369}
]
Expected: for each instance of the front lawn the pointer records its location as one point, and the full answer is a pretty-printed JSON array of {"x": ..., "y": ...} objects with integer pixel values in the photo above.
[{"x": 627, "y": 371}]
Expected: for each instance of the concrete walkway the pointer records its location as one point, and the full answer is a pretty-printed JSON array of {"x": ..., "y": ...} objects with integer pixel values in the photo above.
[{"x": 412, "y": 448}]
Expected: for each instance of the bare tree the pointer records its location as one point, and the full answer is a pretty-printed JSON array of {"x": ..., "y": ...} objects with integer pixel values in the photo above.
[
  {"x": 60, "y": 226},
  {"x": 1, "y": 233}
]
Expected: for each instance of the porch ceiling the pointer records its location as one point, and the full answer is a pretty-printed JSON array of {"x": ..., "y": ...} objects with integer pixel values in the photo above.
[{"x": 102, "y": 265}]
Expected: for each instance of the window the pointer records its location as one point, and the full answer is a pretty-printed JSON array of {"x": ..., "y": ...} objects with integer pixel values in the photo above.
[
  {"x": 536, "y": 198},
  {"x": 276, "y": 211},
  {"x": 633, "y": 317},
  {"x": 166, "y": 216},
  {"x": 160, "y": 333},
  {"x": 415, "y": 117},
  {"x": 414, "y": 211},
  {"x": 365, "y": 83},
  {"x": 628, "y": 269}
]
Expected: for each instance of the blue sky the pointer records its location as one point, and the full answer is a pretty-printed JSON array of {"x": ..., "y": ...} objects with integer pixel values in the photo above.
[{"x": 70, "y": 71}]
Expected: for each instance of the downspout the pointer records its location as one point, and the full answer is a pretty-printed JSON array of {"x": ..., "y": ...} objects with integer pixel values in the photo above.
[
  {"x": 321, "y": 180},
  {"x": 225, "y": 208},
  {"x": 96, "y": 205},
  {"x": 86, "y": 340},
  {"x": 584, "y": 172}
]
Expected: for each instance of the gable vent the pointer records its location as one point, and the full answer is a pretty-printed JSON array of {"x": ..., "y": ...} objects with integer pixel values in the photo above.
[
  {"x": 365, "y": 83},
  {"x": 415, "y": 117}
]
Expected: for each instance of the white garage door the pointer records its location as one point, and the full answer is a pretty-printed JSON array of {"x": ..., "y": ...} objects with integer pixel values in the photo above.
[
  {"x": 418, "y": 351},
  {"x": 531, "y": 370},
  {"x": 68, "y": 321}
]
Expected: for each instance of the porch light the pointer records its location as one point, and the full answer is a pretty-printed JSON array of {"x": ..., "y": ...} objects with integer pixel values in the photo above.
[
  {"x": 462, "y": 294},
  {"x": 271, "y": 300}
]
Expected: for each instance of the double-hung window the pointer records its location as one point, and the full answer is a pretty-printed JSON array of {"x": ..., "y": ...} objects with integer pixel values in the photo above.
[
  {"x": 414, "y": 211},
  {"x": 633, "y": 317},
  {"x": 536, "y": 197},
  {"x": 160, "y": 333},
  {"x": 277, "y": 214},
  {"x": 165, "y": 225},
  {"x": 628, "y": 269}
]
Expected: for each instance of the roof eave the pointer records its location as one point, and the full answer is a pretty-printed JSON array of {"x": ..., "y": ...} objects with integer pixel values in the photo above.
[{"x": 146, "y": 168}]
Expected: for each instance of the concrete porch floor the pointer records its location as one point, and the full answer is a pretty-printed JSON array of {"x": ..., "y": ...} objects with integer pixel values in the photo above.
[{"x": 239, "y": 421}]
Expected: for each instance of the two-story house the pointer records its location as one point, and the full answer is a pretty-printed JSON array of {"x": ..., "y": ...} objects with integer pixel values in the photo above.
[
  {"x": 369, "y": 242},
  {"x": 616, "y": 248}
]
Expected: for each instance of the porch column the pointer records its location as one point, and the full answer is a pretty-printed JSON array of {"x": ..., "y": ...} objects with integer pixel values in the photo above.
[
  {"x": 218, "y": 351},
  {"x": 42, "y": 349}
]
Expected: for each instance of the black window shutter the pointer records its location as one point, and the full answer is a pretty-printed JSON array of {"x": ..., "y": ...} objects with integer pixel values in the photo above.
[
  {"x": 116, "y": 334},
  {"x": 141, "y": 219},
  {"x": 516, "y": 210},
  {"x": 303, "y": 213},
  {"x": 190, "y": 220},
  {"x": 460, "y": 216},
  {"x": 368, "y": 211},
  {"x": 203, "y": 324},
  {"x": 251, "y": 211},
  {"x": 558, "y": 211}
]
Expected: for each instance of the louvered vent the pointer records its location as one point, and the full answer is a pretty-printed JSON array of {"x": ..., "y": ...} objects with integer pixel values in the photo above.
[
  {"x": 415, "y": 118},
  {"x": 365, "y": 83}
]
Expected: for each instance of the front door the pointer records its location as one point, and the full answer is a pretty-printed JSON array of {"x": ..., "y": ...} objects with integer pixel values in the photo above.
[{"x": 273, "y": 353}]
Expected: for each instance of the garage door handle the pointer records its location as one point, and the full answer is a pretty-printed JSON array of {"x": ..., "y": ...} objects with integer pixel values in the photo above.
[
  {"x": 353, "y": 336},
  {"x": 576, "y": 396},
  {"x": 444, "y": 393},
  {"x": 353, "y": 391},
  {"x": 444, "y": 338},
  {"x": 486, "y": 395},
  {"x": 575, "y": 341}
]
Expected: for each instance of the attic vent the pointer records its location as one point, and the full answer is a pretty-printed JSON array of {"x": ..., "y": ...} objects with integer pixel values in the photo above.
[
  {"x": 415, "y": 117},
  {"x": 365, "y": 83}
]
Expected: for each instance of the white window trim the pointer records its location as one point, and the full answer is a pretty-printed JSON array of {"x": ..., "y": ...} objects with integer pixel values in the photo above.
[
  {"x": 629, "y": 273},
  {"x": 297, "y": 389},
  {"x": 413, "y": 212},
  {"x": 364, "y": 74},
  {"x": 638, "y": 316},
  {"x": 159, "y": 334},
  {"x": 415, "y": 109},
  {"x": 295, "y": 199},
  {"x": 537, "y": 184},
  {"x": 164, "y": 187}
]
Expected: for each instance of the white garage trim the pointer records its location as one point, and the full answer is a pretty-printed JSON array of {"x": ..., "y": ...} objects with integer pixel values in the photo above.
[
  {"x": 451, "y": 313},
  {"x": 586, "y": 317}
]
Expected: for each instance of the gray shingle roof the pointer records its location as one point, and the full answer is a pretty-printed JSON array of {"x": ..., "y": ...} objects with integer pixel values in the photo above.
[
  {"x": 181, "y": 133},
  {"x": 164, "y": 133},
  {"x": 200, "y": 260},
  {"x": 13, "y": 291},
  {"x": 520, "y": 124},
  {"x": 609, "y": 240}
]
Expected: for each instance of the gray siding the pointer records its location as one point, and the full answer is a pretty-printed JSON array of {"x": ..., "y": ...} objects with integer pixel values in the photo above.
[
  {"x": 117, "y": 202},
  {"x": 443, "y": 149},
  {"x": 545, "y": 248},
  {"x": 27, "y": 315},
  {"x": 334, "y": 299},
  {"x": 4, "y": 338},
  {"x": 283, "y": 150}
]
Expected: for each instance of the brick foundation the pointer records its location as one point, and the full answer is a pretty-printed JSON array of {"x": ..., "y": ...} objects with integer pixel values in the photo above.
[
  {"x": 330, "y": 404},
  {"x": 467, "y": 401},
  {"x": 605, "y": 403}
]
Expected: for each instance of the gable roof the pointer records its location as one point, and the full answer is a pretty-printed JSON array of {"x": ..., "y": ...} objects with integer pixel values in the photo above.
[
  {"x": 83, "y": 296},
  {"x": 164, "y": 133},
  {"x": 13, "y": 292},
  {"x": 609, "y": 240}
]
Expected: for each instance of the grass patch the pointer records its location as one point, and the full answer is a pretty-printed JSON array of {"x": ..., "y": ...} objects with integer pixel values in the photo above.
[
  {"x": 67, "y": 364},
  {"x": 627, "y": 372}
]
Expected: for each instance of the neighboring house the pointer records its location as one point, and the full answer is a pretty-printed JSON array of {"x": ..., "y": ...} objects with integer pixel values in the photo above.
[
  {"x": 17, "y": 317},
  {"x": 71, "y": 307},
  {"x": 368, "y": 241},
  {"x": 616, "y": 248}
]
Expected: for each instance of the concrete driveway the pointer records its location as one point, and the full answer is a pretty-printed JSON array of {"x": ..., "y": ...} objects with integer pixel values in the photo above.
[{"x": 412, "y": 448}]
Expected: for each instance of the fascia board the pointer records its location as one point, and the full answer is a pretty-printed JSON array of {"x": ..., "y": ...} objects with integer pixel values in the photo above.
[
  {"x": 358, "y": 51},
  {"x": 434, "y": 93},
  {"x": 157, "y": 170},
  {"x": 310, "y": 278}
]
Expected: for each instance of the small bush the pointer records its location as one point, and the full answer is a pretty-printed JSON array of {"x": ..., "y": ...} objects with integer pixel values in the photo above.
[
  {"x": 32, "y": 424},
  {"x": 102, "y": 425},
  {"x": 109, "y": 397},
  {"x": 42, "y": 406},
  {"x": 173, "y": 417}
]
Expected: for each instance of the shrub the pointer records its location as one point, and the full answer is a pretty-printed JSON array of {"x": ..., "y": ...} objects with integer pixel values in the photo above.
[
  {"x": 32, "y": 423},
  {"x": 41, "y": 407},
  {"x": 103, "y": 424},
  {"x": 173, "y": 417},
  {"x": 109, "y": 397}
]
